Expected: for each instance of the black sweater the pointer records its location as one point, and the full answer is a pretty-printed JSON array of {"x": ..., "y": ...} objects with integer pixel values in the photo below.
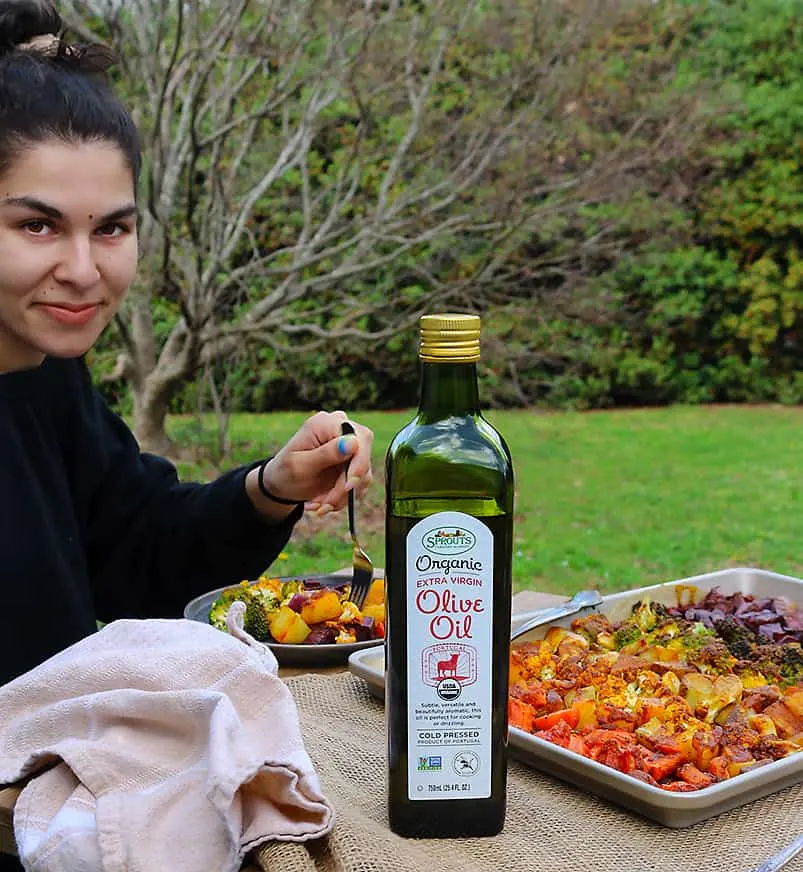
[{"x": 92, "y": 529}]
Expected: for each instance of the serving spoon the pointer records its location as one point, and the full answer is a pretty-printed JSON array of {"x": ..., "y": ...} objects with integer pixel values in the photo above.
[{"x": 584, "y": 599}]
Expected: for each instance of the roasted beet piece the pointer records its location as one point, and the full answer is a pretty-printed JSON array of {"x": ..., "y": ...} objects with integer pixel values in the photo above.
[
  {"x": 297, "y": 601},
  {"x": 321, "y": 634},
  {"x": 363, "y": 630}
]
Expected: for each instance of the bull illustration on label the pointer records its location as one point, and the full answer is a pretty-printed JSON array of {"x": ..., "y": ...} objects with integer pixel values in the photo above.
[
  {"x": 451, "y": 660},
  {"x": 448, "y": 668}
]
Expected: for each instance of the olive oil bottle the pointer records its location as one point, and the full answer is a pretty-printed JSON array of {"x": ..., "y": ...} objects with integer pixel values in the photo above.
[{"x": 449, "y": 518}]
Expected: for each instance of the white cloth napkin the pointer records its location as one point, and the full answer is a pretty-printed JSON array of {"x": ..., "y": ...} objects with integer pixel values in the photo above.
[{"x": 156, "y": 745}]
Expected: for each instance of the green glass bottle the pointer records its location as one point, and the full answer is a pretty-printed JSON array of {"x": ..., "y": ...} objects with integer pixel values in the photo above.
[{"x": 449, "y": 539}]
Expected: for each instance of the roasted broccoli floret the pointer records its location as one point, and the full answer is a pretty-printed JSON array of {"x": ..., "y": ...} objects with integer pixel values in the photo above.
[
  {"x": 256, "y": 620},
  {"x": 791, "y": 666},
  {"x": 782, "y": 664},
  {"x": 739, "y": 639},
  {"x": 697, "y": 636},
  {"x": 626, "y": 634},
  {"x": 219, "y": 608},
  {"x": 713, "y": 656},
  {"x": 259, "y": 603},
  {"x": 648, "y": 616},
  {"x": 646, "y": 621}
]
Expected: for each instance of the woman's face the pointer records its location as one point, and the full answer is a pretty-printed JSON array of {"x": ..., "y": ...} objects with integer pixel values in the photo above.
[{"x": 68, "y": 249}]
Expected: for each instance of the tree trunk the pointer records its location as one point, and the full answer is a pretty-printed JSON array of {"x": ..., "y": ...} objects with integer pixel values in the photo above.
[
  {"x": 151, "y": 401},
  {"x": 154, "y": 381}
]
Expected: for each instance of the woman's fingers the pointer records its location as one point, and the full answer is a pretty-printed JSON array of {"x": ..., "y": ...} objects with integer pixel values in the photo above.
[{"x": 312, "y": 463}]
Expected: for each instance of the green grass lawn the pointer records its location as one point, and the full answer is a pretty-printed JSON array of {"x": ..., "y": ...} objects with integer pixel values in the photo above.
[{"x": 610, "y": 500}]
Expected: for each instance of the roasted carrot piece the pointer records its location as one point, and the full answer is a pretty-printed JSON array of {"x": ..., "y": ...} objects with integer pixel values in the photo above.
[
  {"x": 718, "y": 767},
  {"x": 577, "y": 745},
  {"x": 520, "y": 714},
  {"x": 689, "y": 773},
  {"x": 660, "y": 766},
  {"x": 570, "y": 716}
]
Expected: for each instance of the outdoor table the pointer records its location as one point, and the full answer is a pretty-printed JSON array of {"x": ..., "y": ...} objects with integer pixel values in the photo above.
[
  {"x": 522, "y": 602},
  {"x": 550, "y": 825}
]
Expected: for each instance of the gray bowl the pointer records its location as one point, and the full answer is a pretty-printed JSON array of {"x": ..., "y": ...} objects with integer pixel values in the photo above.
[{"x": 290, "y": 655}]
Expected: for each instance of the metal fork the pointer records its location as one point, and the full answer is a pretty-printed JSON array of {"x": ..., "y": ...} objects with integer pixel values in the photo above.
[{"x": 362, "y": 568}]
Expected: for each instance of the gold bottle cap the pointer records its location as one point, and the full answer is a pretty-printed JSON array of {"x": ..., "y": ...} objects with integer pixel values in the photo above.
[{"x": 449, "y": 338}]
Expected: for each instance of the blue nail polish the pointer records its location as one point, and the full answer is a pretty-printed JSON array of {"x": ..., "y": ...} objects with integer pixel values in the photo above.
[{"x": 343, "y": 445}]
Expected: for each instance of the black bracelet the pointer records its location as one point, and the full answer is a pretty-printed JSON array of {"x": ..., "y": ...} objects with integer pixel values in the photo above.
[{"x": 265, "y": 492}]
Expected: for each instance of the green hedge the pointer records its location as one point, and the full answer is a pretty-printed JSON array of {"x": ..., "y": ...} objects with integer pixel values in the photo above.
[{"x": 720, "y": 320}]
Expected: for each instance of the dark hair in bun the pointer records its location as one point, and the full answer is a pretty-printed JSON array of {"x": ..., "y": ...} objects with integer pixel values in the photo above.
[
  {"x": 53, "y": 89},
  {"x": 20, "y": 21}
]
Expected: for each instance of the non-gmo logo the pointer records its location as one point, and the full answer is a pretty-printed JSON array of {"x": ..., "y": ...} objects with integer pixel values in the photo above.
[{"x": 448, "y": 540}]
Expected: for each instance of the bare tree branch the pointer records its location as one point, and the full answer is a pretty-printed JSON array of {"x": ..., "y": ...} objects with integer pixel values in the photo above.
[{"x": 302, "y": 155}]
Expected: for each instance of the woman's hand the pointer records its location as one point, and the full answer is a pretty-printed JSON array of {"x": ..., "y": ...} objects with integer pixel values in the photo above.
[{"x": 309, "y": 468}]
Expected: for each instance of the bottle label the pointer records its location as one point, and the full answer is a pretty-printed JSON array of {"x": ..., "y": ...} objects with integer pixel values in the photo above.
[{"x": 449, "y": 645}]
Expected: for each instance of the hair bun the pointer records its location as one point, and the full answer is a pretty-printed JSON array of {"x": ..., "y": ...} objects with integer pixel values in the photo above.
[
  {"x": 23, "y": 20},
  {"x": 35, "y": 26},
  {"x": 86, "y": 57}
]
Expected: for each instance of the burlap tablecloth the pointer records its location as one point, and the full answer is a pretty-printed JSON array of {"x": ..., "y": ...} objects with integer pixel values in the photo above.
[{"x": 550, "y": 826}]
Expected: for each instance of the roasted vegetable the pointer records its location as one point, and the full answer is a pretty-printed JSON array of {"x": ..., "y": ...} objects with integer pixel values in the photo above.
[
  {"x": 661, "y": 696},
  {"x": 257, "y": 620},
  {"x": 322, "y": 634},
  {"x": 321, "y": 605},
  {"x": 792, "y": 664},
  {"x": 738, "y": 638},
  {"x": 768, "y": 618},
  {"x": 645, "y": 615},
  {"x": 626, "y": 634},
  {"x": 220, "y": 607},
  {"x": 782, "y": 664},
  {"x": 260, "y": 601},
  {"x": 375, "y": 611},
  {"x": 288, "y": 626},
  {"x": 376, "y": 593},
  {"x": 323, "y": 614},
  {"x": 712, "y": 656}
]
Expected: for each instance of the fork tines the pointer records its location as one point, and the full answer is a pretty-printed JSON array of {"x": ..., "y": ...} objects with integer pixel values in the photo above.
[{"x": 363, "y": 574}]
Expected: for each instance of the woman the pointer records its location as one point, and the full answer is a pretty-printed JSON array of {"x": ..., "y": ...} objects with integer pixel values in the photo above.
[{"x": 90, "y": 528}]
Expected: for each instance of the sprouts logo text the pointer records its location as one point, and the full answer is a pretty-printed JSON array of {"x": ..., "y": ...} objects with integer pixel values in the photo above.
[{"x": 448, "y": 541}]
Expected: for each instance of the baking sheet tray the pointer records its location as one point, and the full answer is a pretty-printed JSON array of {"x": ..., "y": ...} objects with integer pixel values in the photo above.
[{"x": 670, "y": 809}]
